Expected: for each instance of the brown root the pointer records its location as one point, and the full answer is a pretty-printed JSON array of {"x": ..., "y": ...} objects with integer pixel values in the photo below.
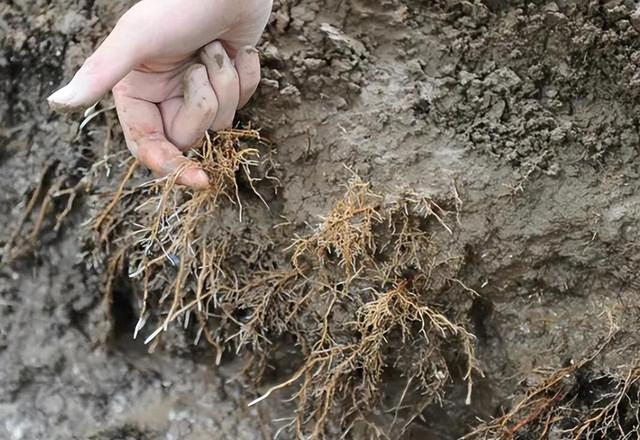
[
  {"x": 347, "y": 232},
  {"x": 364, "y": 285},
  {"x": 557, "y": 404}
]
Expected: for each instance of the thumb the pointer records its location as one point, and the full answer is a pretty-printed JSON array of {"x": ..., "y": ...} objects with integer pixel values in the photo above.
[{"x": 111, "y": 62}]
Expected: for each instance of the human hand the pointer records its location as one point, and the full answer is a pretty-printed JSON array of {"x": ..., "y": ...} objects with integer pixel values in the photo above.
[{"x": 177, "y": 68}]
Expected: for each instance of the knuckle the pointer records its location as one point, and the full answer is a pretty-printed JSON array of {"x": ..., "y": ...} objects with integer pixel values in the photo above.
[
  {"x": 119, "y": 89},
  {"x": 128, "y": 21},
  {"x": 230, "y": 76},
  {"x": 214, "y": 48},
  {"x": 197, "y": 71},
  {"x": 132, "y": 17},
  {"x": 225, "y": 80}
]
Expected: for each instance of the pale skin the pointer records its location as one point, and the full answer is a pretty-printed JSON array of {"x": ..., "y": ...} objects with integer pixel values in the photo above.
[{"x": 176, "y": 69}]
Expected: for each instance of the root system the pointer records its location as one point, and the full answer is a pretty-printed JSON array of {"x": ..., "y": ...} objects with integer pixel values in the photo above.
[{"x": 361, "y": 294}]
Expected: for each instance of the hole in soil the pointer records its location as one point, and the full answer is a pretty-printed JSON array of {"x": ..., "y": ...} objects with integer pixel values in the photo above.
[
  {"x": 123, "y": 314},
  {"x": 481, "y": 311},
  {"x": 124, "y": 318},
  {"x": 421, "y": 107}
]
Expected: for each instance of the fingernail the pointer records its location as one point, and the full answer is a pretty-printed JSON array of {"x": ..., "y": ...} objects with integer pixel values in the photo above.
[
  {"x": 251, "y": 50},
  {"x": 63, "y": 97},
  {"x": 72, "y": 96},
  {"x": 200, "y": 180},
  {"x": 196, "y": 179}
]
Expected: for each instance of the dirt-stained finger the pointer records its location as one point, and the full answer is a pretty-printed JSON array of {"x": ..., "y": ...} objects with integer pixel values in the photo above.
[
  {"x": 248, "y": 68},
  {"x": 144, "y": 133},
  {"x": 224, "y": 80},
  {"x": 187, "y": 118}
]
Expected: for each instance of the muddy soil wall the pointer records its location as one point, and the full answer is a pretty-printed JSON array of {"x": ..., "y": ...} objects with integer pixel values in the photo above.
[{"x": 528, "y": 109}]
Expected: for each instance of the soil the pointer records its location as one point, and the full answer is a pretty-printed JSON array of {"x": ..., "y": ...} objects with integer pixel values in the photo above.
[{"x": 527, "y": 109}]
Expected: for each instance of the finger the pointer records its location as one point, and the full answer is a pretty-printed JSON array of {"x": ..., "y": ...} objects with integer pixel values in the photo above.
[
  {"x": 112, "y": 61},
  {"x": 248, "y": 68},
  {"x": 224, "y": 80},
  {"x": 142, "y": 126},
  {"x": 195, "y": 113}
]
